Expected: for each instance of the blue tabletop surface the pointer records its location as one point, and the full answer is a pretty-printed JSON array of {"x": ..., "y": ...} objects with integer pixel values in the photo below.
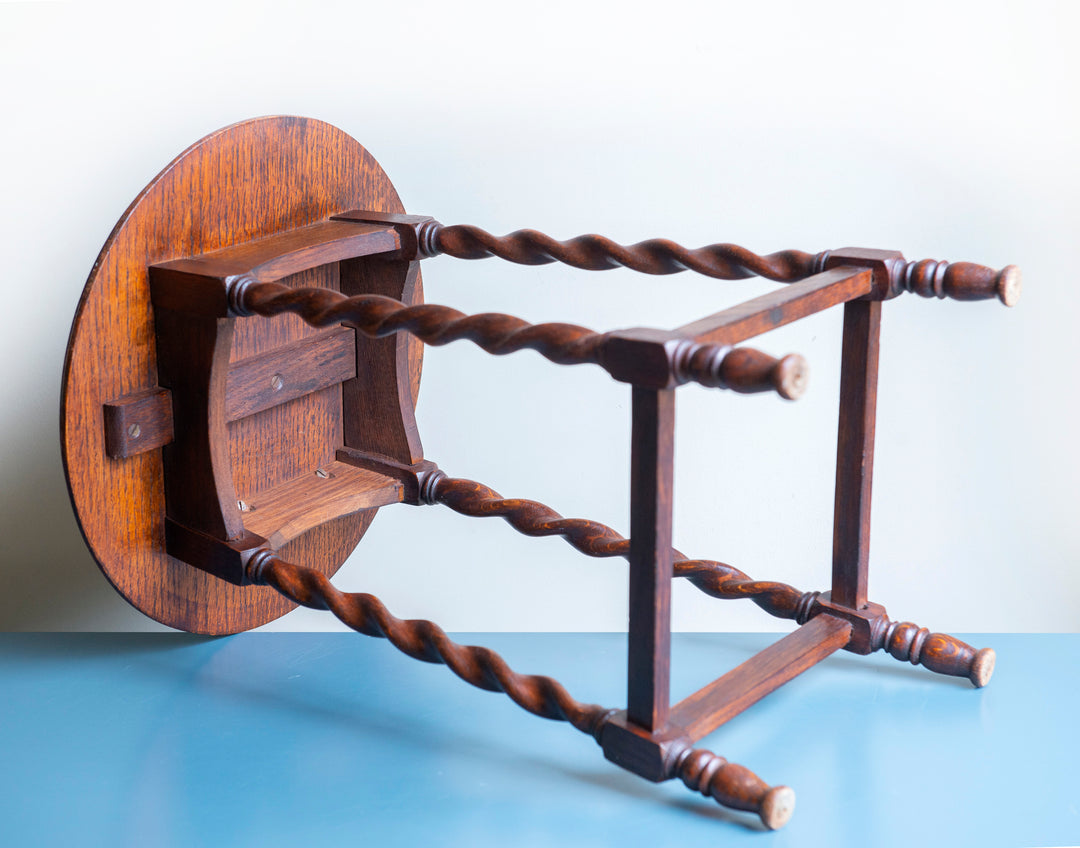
[{"x": 268, "y": 739}]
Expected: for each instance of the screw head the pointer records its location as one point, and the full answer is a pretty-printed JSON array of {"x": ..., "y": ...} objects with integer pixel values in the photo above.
[
  {"x": 321, "y": 472},
  {"x": 134, "y": 430},
  {"x": 277, "y": 381}
]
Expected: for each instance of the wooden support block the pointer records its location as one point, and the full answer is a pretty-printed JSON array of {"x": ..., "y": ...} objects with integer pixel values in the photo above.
[
  {"x": 649, "y": 755},
  {"x": 290, "y": 371},
  {"x": 416, "y": 232},
  {"x": 867, "y": 622},
  {"x": 289, "y": 252},
  {"x": 138, "y": 423},
  {"x": 285, "y": 512},
  {"x": 222, "y": 558},
  {"x": 411, "y": 477}
]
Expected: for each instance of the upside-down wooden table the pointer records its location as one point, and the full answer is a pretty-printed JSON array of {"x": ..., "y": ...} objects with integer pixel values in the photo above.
[{"x": 211, "y": 455}]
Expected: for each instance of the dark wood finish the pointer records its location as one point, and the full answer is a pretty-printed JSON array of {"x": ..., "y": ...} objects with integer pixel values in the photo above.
[
  {"x": 138, "y": 423},
  {"x": 652, "y": 449},
  {"x": 336, "y": 489},
  {"x": 658, "y": 359},
  {"x": 723, "y": 699},
  {"x": 412, "y": 477},
  {"x": 885, "y": 266},
  {"x": 651, "y": 754},
  {"x": 144, "y": 421},
  {"x": 737, "y": 787},
  {"x": 193, "y": 341},
  {"x": 961, "y": 281},
  {"x": 416, "y": 232},
  {"x": 939, "y": 652},
  {"x": 667, "y": 754},
  {"x": 713, "y": 776},
  {"x": 597, "y": 253},
  {"x": 193, "y": 363},
  {"x": 748, "y": 371},
  {"x": 592, "y": 538},
  {"x": 278, "y": 440},
  {"x": 291, "y": 371},
  {"x": 855, "y": 453},
  {"x": 866, "y": 622},
  {"x": 928, "y": 277},
  {"x": 780, "y": 307},
  {"x": 276, "y": 256},
  {"x": 378, "y": 402},
  {"x": 424, "y": 640},
  {"x": 644, "y": 357},
  {"x": 871, "y": 630},
  {"x": 224, "y": 558},
  {"x": 255, "y": 179}
]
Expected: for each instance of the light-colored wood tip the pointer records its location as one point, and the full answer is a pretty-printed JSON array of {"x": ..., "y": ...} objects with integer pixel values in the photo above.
[
  {"x": 777, "y": 807},
  {"x": 1010, "y": 283},
  {"x": 982, "y": 669},
  {"x": 792, "y": 376}
]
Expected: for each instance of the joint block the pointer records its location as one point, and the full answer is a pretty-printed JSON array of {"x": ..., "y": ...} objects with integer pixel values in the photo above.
[
  {"x": 867, "y": 624},
  {"x": 885, "y": 265},
  {"x": 649, "y": 755}
]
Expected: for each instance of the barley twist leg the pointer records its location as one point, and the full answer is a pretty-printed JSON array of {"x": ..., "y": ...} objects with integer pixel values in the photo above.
[
  {"x": 732, "y": 786},
  {"x": 597, "y": 253},
  {"x": 424, "y": 640},
  {"x": 594, "y": 539}
]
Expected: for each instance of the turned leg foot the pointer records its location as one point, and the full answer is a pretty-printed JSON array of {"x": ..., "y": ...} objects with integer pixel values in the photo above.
[
  {"x": 735, "y": 786},
  {"x": 939, "y": 652},
  {"x": 872, "y": 630}
]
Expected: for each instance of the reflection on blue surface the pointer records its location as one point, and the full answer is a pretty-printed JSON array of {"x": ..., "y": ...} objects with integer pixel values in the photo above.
[{"x": 316, "y": 739}]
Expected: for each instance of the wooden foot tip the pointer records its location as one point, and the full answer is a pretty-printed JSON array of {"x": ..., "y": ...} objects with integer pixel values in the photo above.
[
  {"x": 1010, "y": 284},
  {"x": 777, "y": 807},
  {"x": 792, "y": 376},
  {"x": 982, "y": 669}
]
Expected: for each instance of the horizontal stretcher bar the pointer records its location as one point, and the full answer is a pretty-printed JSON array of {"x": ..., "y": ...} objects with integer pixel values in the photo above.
[
  {"x": 723, "y": 699},
  {"x": 782, "y": 306}
]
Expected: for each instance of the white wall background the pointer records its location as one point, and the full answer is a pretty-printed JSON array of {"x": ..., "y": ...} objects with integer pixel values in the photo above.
[{"x": 945, "y": 130}]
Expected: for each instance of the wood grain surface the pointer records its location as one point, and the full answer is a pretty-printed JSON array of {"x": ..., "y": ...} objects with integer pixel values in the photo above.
[{"x": 244, "y": 182}]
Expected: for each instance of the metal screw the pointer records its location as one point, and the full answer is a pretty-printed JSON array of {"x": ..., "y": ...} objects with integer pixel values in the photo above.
[
  {"x": 243, "y": 506},
  {"x": 320, "y": 472},
  {"x": 277, "y": 382},
  {"x": 134, "y": 430}
]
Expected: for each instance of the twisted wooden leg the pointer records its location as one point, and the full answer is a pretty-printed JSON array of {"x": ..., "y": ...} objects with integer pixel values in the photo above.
[
  {"x": 424, "y": 640},
  {"x": 719, "y": 366},
  {"x": 937, "y": 652},
  {"x": 598, "y": 540},
  {"x": 730, "y": 785}
]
